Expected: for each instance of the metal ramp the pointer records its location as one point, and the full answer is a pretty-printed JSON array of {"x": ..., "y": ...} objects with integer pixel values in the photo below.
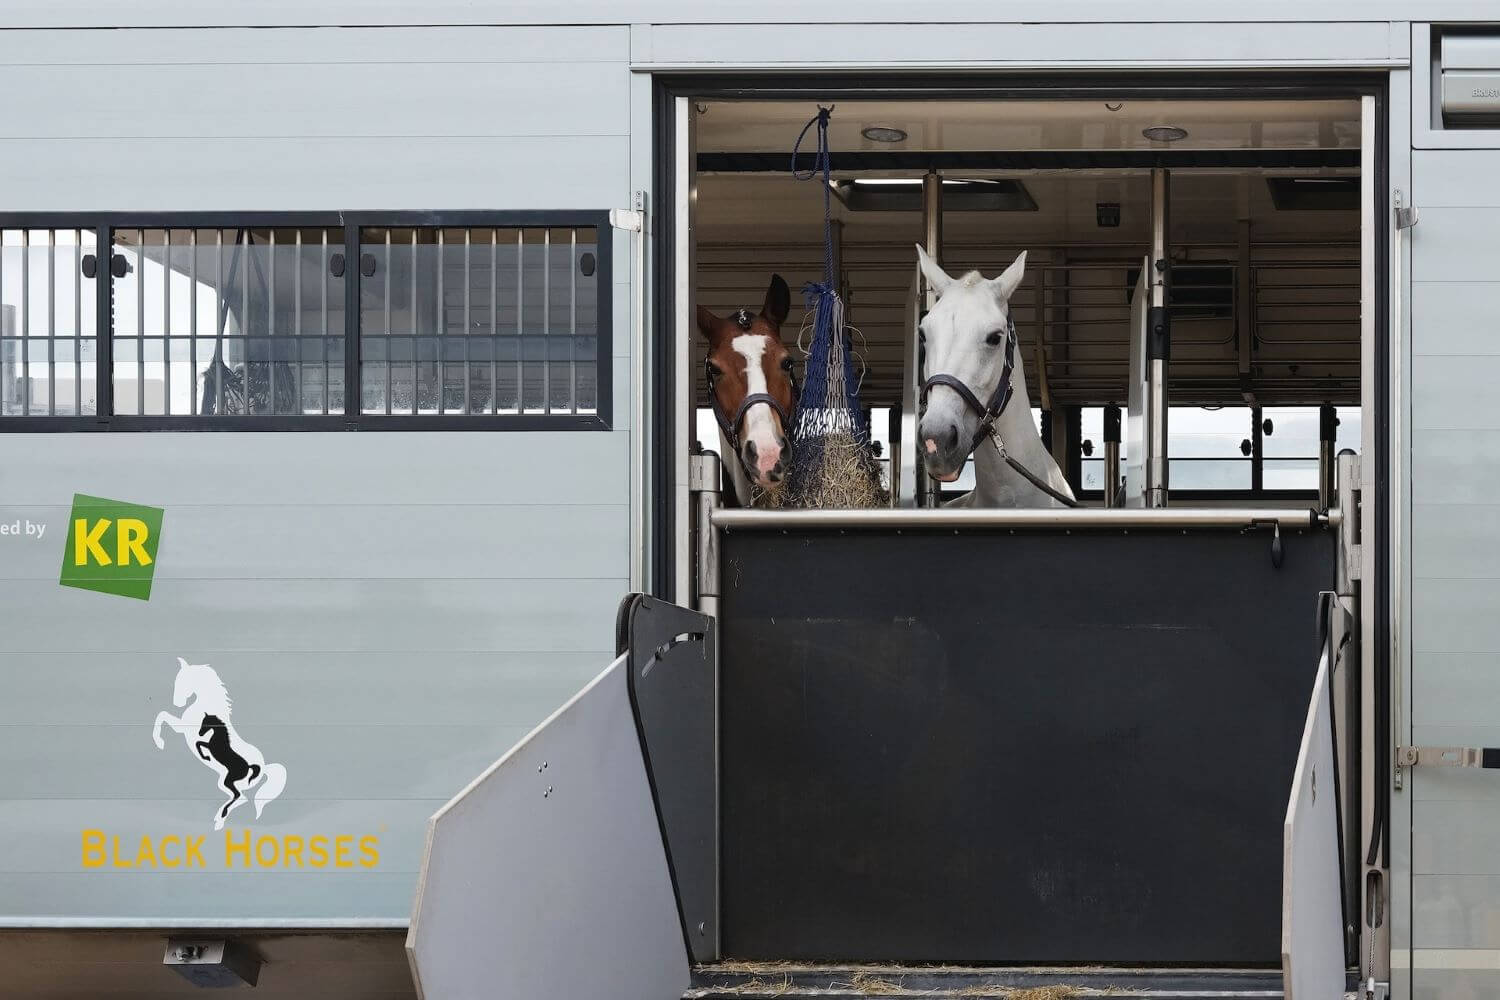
[{"x": 586, "y": 864}]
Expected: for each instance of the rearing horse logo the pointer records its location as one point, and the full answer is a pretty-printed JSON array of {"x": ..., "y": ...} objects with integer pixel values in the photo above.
[{"x": 210, "y": 735}]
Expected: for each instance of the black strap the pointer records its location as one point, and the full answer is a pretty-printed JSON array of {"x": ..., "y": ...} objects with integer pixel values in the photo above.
[
  {"x": 989, "y": 414},
  {"x": 1040, "y": 484},
  {"x": 730, "y": 427},
  {"x": 1004, "y": 389}
]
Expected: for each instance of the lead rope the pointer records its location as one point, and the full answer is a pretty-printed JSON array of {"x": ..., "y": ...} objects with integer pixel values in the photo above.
[{"x": 1030, "y": 477}]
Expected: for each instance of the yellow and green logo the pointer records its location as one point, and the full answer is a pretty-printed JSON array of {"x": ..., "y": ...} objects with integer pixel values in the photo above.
[{"x": 111, "y": 547}]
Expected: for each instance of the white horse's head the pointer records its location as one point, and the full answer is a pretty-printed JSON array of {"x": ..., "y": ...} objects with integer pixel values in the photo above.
[
  {"x": 964, "y": 334},
  {"x": 196, "y": 680}
]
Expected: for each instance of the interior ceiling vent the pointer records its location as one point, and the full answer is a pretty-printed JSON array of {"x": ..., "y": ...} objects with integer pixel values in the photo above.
[
  {"x": 889, "y": 195},
  {"x": 1314, "y": 194}
]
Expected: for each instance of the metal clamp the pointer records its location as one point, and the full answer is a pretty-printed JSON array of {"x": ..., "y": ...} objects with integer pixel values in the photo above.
[{"x": 1448, "y": 756}]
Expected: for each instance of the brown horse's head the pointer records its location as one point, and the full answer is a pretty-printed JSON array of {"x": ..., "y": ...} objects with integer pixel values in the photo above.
[{"x": 750, "y": 383}]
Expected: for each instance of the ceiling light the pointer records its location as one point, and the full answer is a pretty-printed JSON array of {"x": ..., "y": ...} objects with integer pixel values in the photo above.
[
  {"x": 883, "y": 133},
  {"x": 1164, "y": 133}
]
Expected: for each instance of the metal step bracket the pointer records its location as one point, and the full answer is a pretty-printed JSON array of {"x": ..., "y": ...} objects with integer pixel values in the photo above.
[{"x": 1488, "y": 757}]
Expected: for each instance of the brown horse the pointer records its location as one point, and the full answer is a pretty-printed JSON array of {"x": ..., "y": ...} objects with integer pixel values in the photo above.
[{"x": 753, "y": 391}]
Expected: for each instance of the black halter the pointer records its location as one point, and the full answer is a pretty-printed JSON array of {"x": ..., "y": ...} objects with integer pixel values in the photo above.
[
  {"x": 731, "y": 425},
  {"x": 988, "y": 414}
]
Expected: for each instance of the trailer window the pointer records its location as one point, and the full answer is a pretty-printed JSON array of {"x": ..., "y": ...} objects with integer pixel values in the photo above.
[
  {"x": 1209, "y": 449},
  {"x": 305, "y": 321},
  {"x": 227, "y": 322},
  {"x": 48, "y": 331},
  {"x": 479, "y": 321}
]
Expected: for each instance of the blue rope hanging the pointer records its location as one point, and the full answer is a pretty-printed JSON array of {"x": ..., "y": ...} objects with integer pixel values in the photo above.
[{"x": 830, "y": 346}]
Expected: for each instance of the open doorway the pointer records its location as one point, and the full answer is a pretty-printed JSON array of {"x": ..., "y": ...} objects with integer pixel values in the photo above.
[{"x": 1263, "y": 233}]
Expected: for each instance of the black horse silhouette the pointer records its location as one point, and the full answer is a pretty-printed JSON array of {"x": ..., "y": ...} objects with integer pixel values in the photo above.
[{"x": 217, "y": 748}]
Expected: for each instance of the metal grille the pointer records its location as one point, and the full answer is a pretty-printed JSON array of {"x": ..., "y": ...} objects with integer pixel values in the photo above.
[
  {"x": 1303, "y": 312},
  {"x": 48, "y": 323},
  {"x": 479, "y": 320},
  {"x": 227, "y": 322}
]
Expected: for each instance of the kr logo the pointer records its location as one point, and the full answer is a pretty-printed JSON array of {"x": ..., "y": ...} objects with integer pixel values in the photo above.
[{"x": 111, "y": 547}]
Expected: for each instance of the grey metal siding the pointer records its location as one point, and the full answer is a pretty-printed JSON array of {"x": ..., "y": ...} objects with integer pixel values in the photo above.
[
  {"x": 1455, "y": 575},
  {"x": 389, "y": 611}
]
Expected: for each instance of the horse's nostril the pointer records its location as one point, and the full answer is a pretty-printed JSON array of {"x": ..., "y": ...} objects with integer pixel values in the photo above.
[
  {"x": 950, "y": 438},
  {"x": 778, "y": 469},
  {"x": 750, "y": 452},
  {"x": 781, "y": 443}
]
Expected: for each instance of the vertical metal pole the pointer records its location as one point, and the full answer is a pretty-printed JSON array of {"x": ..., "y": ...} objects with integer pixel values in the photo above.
[
  {"x": 140, "y": 329},
  {"x": 928, "y": 490},
  {"x": 494, "y": 318},
  {"x": 193, "y": 325},
  {"x": 166, "y": 320},
  {"x": 468, "y": 249},
  {"x": 440, "y": 342},
  {"x": 25, "y": 322},
  {"x": 1328, "y": 423},
  {"x": 704, "y": 480},
  {"x": 78, "y": 322},
  {"x": 1158, "y": 343},
  {"x": 1111, "y": 455}
]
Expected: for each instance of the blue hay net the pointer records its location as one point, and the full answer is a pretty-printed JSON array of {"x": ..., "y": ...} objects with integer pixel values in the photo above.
[{"x": 830, "y": 393}]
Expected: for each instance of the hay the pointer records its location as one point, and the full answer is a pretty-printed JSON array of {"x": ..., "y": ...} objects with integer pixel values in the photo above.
[
  {"x": 1045, "y": 993},
  {"x": 874, "y": 985},
  {"x": 840, "y": 474}
]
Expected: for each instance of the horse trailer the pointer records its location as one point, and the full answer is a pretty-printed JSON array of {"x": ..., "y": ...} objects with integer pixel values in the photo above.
[{"x": 401, "y": 340}]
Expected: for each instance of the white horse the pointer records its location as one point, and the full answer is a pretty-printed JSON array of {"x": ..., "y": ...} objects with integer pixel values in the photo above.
[
  {"x": 206, "y": 728},
  {"x": 969, "y": 336}
]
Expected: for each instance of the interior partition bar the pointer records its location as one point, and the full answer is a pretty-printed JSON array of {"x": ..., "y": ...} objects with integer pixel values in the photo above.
[{"x": 1158, "y": 343}]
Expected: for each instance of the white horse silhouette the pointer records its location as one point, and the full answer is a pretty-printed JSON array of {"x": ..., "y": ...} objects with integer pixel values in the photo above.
[{"x": 206, "y": 728}]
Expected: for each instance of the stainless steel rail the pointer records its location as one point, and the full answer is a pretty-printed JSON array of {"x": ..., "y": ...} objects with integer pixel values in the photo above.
[{"x": 1083, "y": 518}]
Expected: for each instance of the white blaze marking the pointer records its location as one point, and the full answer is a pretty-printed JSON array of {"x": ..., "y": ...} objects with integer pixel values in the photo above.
[{"x": 759, "y": 426}]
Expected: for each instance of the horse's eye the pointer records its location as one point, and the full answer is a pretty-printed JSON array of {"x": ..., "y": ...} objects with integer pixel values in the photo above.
[
  {"x": 993, "y": 340},
  {"x": 786, "y": 364},
  {"x": 714, "y": 370}
]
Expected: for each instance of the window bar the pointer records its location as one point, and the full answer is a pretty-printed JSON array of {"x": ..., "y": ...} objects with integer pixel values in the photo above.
[
  {"x": 389, "y": 341},
  {"x": 221, "y": 324},
  {"x": 412, "y": 311},
  {"x": 193, "y": 320},
  {"x": 520, "y": 326},
  {"x": 297, "y": 321},
  {"x": 3, "y": 352},
  {"x": 468, "y": 244},
  {"x": 323, "y": 311},
  {"x": 270, "y": 283},
  {"x": 546, "y": 321},
  {"x": 244, "y": 323},
  {"x": 166, "y": 320},
  {"x": 51, "y": 322},
  {"x": 25, "y": 322},
  {"x": 494, "y": 318},
  {"x": 573, "y": 320},
  {"x": 140, "y": 322},
  {"x": 78, "y": 322},
  {"x": 442, "y": 319}
]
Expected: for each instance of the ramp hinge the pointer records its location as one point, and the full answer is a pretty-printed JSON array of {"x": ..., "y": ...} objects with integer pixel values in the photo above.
[
  {"x": 1448, "y": 757},
  {"x": 1406, "y": 216}
]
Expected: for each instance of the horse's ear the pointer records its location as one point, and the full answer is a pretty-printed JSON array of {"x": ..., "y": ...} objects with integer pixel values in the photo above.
[
  {"x": 778, "y": 302},
  {"x": 936, "y": 277},
  {"x": 1010, "y": 279},
  {"x": 707, "y": 322},
  {"x": 181, "y": 663}
]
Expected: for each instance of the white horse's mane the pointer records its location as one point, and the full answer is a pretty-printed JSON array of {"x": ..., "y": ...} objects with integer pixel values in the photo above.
[{"x": 208, "y": 691}]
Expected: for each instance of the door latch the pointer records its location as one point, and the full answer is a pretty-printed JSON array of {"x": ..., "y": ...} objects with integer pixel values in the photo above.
[{"x": 1448, "y": 756}]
